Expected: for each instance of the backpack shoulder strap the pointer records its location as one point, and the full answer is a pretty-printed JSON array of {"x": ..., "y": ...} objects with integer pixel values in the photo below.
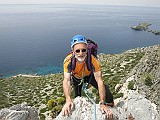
[
  {"x": 73, "y": 62},
  {"x": 89, "y": 61}
]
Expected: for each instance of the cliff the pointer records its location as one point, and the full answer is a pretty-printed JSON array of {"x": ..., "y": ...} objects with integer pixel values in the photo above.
[
  {"x": 139, "y": 102},
  {"x": 133, "y": 77}
]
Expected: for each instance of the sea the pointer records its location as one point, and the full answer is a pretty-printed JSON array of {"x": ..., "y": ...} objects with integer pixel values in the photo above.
[{"x": 35, "y": 38}]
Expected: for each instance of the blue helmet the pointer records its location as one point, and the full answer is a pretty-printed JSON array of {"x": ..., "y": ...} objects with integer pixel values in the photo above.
[{"x": 78, "y": 39}]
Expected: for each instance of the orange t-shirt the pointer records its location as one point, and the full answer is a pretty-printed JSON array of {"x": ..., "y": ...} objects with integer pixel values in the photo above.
[{"x": 81, "y": 68}]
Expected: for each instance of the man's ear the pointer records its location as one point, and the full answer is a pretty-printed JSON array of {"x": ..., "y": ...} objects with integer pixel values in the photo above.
[{"x": 72, "y": 50}]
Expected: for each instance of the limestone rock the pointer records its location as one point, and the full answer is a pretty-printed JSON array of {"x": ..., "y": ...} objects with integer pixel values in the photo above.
[
  {"x": 84, "y": 110},
  {"x": 135, "y": 106},
  {"x": 19, "y": 112}
]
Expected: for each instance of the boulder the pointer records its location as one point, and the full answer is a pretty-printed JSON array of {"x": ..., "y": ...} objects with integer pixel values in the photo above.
[
  {"x": 135, "y": 106},
  {"x": 19, "y": 112}
]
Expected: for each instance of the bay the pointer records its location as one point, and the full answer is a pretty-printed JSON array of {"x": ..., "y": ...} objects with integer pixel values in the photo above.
[{"x": 35, "y": 38}]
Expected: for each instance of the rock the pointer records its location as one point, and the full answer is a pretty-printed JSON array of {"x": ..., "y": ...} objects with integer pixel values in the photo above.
[
  {"x": 19, "y": 112},
  {"x": 84, "y": 110},
  {"x": 144, "y": 27},
  {"x": 157, "y": 33},
  {"x": 141, "y": 108},
  {"x": 145, "y": 24},
  {"x": 141, "y": 26},
  {"x": 135, "y": 106},
  {"x": 148, "y": 65},
  {"x": 118, "y": 87}
]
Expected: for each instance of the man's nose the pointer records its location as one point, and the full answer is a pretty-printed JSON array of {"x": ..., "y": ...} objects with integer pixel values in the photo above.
[{"x": 81, "y": 53}]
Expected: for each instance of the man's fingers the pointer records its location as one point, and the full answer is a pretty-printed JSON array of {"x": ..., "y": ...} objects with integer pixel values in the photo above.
[
  {"x": 66, "y": 112},
  {"x": 67, "y": 108},
  {"x": 63, "y": 112},
  {"x": 102, "y": 111},
  {"x": 106, "y": 110},
  {"x": 109, "y": 114}
]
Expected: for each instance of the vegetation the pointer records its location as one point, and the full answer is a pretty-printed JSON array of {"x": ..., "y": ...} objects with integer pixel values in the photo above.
[
  {"x": 33, "y": 90},
  {"x": 47, "y": 90},
  {"x": 116, "y": 67},
  {"x": 118, "y": 95},
  {"x": 148, "y": 80},
  {"x": 131, "y": 85},
  {"x": 55, "y": 105}
]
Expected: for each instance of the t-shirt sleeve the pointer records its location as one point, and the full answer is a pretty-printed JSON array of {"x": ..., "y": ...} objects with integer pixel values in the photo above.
[
  {"x": 67, "y": 64},
  {"x": 96, "y": 65}
]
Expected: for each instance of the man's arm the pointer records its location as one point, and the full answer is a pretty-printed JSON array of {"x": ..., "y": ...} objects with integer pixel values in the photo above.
[
  {"x": 67, "y": 86},
  {"x": 102, "y": 93},
  {"x": 101, "y": 87},
  {"x": 67, "y": 91}
]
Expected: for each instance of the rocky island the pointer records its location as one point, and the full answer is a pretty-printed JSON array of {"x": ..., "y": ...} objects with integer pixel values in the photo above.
[
  {"x": 145, "y": 27},
  {"x": 133, "y": 77}
]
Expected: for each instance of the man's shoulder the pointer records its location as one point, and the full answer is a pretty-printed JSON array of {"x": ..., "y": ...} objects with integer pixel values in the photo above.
[
  {"x": 68, "y": 58},
  {"x": 93, "y": 57},
  {"x": 94, "y": 60}
]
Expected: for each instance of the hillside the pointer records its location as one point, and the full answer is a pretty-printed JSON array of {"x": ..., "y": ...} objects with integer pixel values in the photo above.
[{"x": 141, "y": 66}]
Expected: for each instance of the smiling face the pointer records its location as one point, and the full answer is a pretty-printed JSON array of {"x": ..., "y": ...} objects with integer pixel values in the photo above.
[{"x": 80, "y": 51}]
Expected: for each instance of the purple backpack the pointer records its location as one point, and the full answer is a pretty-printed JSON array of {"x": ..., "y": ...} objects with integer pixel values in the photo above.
[{"x": 92, "y": 50}]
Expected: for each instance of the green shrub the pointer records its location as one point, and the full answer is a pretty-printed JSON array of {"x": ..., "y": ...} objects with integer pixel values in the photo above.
[
  {"x": 94, "y": 90},
  {"x": 43, "y": 110},
  {"x": 51, "y": 103},
  {"x": 148, "y": 80},
  {"x": 118, "y": 95},
  {"x": 55, "y": 111},
  {"x": 60, "y": 100},
  {"x": 42, "y": 117},
  {"x": 131, "y": 85}
]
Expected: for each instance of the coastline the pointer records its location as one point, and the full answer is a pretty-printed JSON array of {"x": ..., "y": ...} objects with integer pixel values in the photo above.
[
  {"x": 40, "y": 75},
  {"x": 26, "y": 75}
]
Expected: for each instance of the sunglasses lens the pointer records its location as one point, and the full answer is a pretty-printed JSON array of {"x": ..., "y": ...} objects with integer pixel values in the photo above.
[
  {"x": 77, "y": 51},
  {"x": 83, "y": 50}
]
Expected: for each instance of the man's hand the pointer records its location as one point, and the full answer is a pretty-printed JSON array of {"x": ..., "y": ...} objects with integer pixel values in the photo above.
[
  {"x": 67, "y": 107},
  {"x": 105, "y": 109}
]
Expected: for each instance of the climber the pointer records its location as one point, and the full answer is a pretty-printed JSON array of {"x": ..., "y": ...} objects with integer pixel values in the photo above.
[{"x": 78, "y": 71}]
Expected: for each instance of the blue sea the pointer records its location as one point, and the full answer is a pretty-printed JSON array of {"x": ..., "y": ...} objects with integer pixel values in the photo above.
[{"x": 34, "y": 39}]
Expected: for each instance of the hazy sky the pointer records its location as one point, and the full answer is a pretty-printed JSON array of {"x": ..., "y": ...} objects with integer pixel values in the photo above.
[{"x": 115, "y": 2}]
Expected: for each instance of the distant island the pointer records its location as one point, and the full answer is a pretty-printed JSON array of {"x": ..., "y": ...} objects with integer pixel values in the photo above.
[{"x": 145, "y": 27}]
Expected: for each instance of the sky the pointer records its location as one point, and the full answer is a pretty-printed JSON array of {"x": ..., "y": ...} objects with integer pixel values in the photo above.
[{"x": 110, "y": 2}]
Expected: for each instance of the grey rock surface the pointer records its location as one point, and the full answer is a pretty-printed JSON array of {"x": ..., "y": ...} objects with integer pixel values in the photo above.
[
  {"x": 135, "y": 105},
  {"x": 19, "y": 112}
]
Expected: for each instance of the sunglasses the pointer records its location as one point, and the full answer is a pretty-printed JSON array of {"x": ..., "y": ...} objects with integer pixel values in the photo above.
[{"x": 78, "y": 50}]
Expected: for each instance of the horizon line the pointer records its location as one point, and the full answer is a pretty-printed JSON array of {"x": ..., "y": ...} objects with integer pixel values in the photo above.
[{"x": 135, "y": 5}]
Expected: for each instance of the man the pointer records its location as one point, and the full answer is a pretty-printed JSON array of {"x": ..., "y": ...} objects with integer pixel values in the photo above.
[{"x": 94, "y": 77}]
